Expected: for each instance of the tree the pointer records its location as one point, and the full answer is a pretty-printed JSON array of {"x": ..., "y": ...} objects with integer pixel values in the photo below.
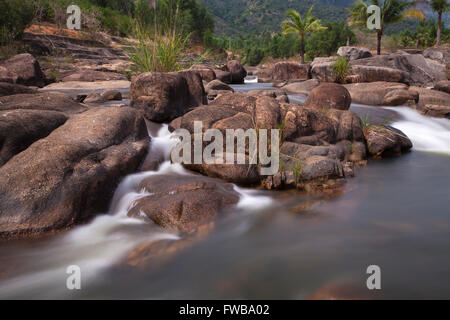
[
  {"x": 296, "y": 24},
  {"x": 439, "y": 6},
  {"x": 391, "y": 11}
]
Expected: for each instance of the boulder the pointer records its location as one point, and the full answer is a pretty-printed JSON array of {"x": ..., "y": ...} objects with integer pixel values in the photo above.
[
  {"x": 439, "y": 54},
  {"x": 385, "y": 141},
  {"x": 206, "y": 72},
  {"x": 406, "y": 68},
  {"x": 329, "y": 96},
  {"x": 264, "y": 75},
  {"x": 217, "y": 85},
  {"x": 373, "y": 93},
  {"x": 89, "y": 75},
  {"x": 335, "y": 130},
  {"x": 213, "y": 94},
  {"x": 183, "y": 202},
  {"x": 27, "y": 70},
  {"x": 71, "y": 174},
  {"x": 443, "y": 86},
  {"x": 20, "y": 128},
  {"x": 304, "y": 87},
  {"x": 437, "y": 111},
  {"x": 112, "y": 94},
  {"x": 354, "y": 53},
  {"x": 322, "y": 69},
  {"x": 165, "y": 96},
  {"x": 279, "y": 95},
  {"x": 224, "y": 76},
  {"x": 7, "y": 89},
  {"x": 237, "y": 71},
  {"x": 400, "y": 97},
  {"x": 291, "y": 71},
  {"x": 377, "y": 74},
  {"x": 7, "y": 76},
  {"x": 94, "y": 98},
  {"x": 433, "y": 97},
  {"x": 53, "y": 101}
]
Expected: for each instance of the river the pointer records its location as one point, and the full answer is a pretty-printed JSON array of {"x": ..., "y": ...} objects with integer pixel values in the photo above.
[{"x": 394, "y": 214}]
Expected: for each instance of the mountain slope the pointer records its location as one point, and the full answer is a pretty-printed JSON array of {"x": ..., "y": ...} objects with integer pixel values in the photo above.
[{"x": 235, "y": 17}]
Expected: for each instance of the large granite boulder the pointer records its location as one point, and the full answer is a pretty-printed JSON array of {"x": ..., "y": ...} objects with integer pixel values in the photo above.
[
  {"x": 384, "y": 141},
  {"x": 354, "y": 53},
  {"x": 374, "y": 93},
  {"x": 183, "y": 202},
  {"x": 163, "y": 97},
  {"x": 26, "y": 70},
  {"x": 20, "y": 128},
  {"x": 303, "y": 87},
  {"x": 7, "y": 89},
  {"x": 52, "y": 101},
  {"x": 70, "y": 175},
  {"x": 443, "y": 86},
  {"x": 237, "y": 71},
  {"x": 291, "y": 71},
  {"x": 329, "y": 96}
]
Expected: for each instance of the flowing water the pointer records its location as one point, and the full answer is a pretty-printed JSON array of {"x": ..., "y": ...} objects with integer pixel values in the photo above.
[{"x": 394, "y": 214}]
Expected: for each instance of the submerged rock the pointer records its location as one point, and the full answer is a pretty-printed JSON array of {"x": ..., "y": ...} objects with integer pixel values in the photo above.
[
  {"x": 183, "y": 202},
  {"x": 71, "y": 174}
]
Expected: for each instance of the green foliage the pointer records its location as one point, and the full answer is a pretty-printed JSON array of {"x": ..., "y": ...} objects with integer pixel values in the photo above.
[
  {"x": 341, "y": 69},
  {"x": 325, "y": 43},
  {"x": 15, "y": 16}
]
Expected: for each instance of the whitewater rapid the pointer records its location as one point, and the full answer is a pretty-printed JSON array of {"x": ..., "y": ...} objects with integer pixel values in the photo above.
[{"x": 426, "y": 133}]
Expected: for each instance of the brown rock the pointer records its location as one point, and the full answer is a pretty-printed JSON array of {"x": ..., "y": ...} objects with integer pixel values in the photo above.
[
  {"x": 329, "y": 96},
  {"x": 20, "y": 128},
  {"x": 291, "y": 71},
  {"x": 27, "y": 70},
  {"x": 433, "y": 110},
  {"x": 183, "y": 202},
  {"x": 386, "y": 141},
  {"x": 400, "y": 97},
  {"x": 304, "y": 87},
  {"x": 7, "y": 89},
  {"x": 53, "y": 101},
  {"x": 71, "y": 174},
  {"x": 443, "y": 86},
  {"x": 89, "y": 75},
  {"x": 237, "y": 71},
  {"x": 373, "y": 93}
]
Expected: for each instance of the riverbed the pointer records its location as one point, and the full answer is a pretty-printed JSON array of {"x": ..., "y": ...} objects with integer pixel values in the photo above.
[{"x": 394, "y": 214}]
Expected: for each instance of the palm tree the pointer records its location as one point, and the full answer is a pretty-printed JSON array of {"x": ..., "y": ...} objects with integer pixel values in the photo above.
[
  {"x": 295, "y": 24},
  {"x": 439, "y": 6},
  {"x": 391, "y": 11}
]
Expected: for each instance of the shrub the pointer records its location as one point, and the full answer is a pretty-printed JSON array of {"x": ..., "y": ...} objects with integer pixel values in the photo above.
[
  {"x": 340, "y": 69},
  {"x": 15, "y": 16}
]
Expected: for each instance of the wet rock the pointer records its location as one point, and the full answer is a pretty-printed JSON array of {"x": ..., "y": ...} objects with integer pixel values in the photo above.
[
  {"x": 291, "y": 71},
  {"x": 88, "y": 75},
  {"x": 20, "y": 128},
  {"x": 433, "y": 110},
  {"x": 7, "y": 89},
  {"x": 26, "y": 70},
  {"x": 304, "y": 87},
  {"x": 443, "y": 86},
  {"x": 434, "y": 97},
  {"x": 329, "y": 96},
  {"x": 373, "y": 93},
  {"x": 165, "y": 96},
  {"x": 385, "y": 141},
  {"x": 237, "y": 71},
  {"x": 71, "y": 174},
  {"x": 354, "y": 53},
  {"x": 53, "y": 101},
  {"x": 183, "y": 202}
]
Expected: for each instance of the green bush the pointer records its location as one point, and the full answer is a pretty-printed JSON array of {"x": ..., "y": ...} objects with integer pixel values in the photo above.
[
  {"x": 15, "y": 16},
  {"x": 340, "y": 69}
]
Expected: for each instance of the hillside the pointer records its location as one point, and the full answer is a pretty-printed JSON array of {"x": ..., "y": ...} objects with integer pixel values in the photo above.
[{"x": 235, "y": 17}]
